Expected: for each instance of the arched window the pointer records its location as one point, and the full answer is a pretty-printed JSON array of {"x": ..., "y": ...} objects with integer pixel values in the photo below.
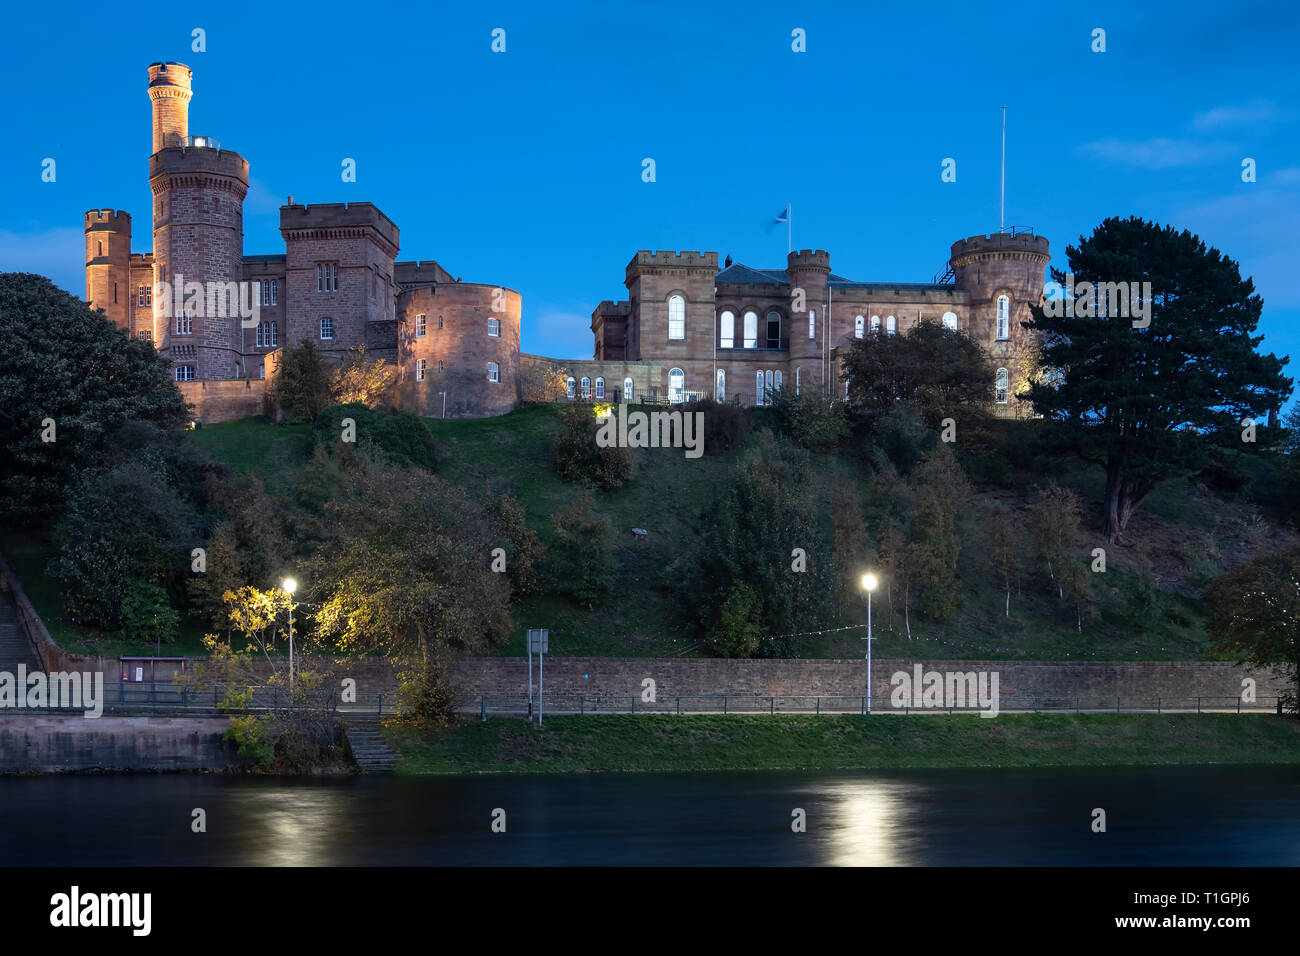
[
  {"x": 860, "y": 326},
  {"x": 676, "y": 317},
  {"x": 1002, "y": 388},
  {"x": 758, "y": 387},
  {"x": 875, "y": 323},
  {"x": 778, "y": 380},
  {"x": 259, "y": 336},
  {"x": 751, "y": 330},
  {"x": 950, "y": 320},
  {"x": 767, "y": 393},
  {"x": 728, "y": 333},
  {"x": 722, "y": 385},
  {"x": 600, "y": 387},
  {"x": 774, "y": 330},
  {"x": 798, "y": 380},
  {"x": 627, "y": 390},
  {"x": 586, "y": 387},
  {"x": 676, "y": 386},
  {"x": 569, "y": 386},
  {"x": 891, "y": 325},
  {"x": 1004, "y": 317}
]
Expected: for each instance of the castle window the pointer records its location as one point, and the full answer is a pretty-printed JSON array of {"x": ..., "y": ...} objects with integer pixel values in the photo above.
[
  {"x": 439, "y": 321},
  {"x": 798, "y": 381},
  {"x": 439, "y": 365},
  {"x": 758, "y": 387},
  {"x": 676, "y": 386},
  {"x": 184, "y": 323},
  {"x": 600, "y": 388},
  {"x": 1004, "y": 318},
  {"x": 144, "y": 335},
  {"x": 270, "y": 291},
  {"x": 891, "y": 325},
  {"x": 494, "y": 372},
  {"x": 875, "y": 323},
  {"x": 627, "y": 390},
  {"x": 586, "y": 387},
  {"x": 569, "y": 387},
  {"x": 728, "y": 330},
  {"x": 722, "y": 385},
  {"x": 950, "y": 320},
  {"x": 327, "y": 328},
  {"x": 1002, "y": 387},
  {"x": 812, "y": 323},
  {"x": 774, "y": 330},
  {"x": 676, "y": 317},
  {"x": 115, "y": 293},
  {"x": 184, "y": 373},
  {"x": 494, "y": 328},
  {"x": 268, "y": 334},
  {"x": 778, "y": 380},
  {"x": 421, "y": 323},
  {"x": 145, "y": 295},
  {"x": 420, "y": 366},
  {"x": 101, "y": 248},
  {"x": 860, "y": 326},
  {"x": 327, "y": 277},
  {"x": 258, "y": 336},
  {"x": 751, "y": 330}
]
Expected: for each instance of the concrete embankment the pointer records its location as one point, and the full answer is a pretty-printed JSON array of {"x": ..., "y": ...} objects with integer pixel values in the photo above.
[{"x": 58, "y": 743}]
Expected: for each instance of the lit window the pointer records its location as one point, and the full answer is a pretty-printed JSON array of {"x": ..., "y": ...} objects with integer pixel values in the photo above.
[
  {"x": 569, "y": 386},
  {"x": 494, "y": 372},
  {"x": 420, "y": 366},
  {"x": 758, "y": 387},
  {"x": 421, "y": 325},
  {"x": 812, "y": 323},
  {"x": 627, "y": 389},
  {"x": 184, "y": 373},
  {"x": 600, "y": 388},
  {"x": 494, "y": 328},
  {"x": 1002, "y": 387},
  {"x": 875, "y": 323},
  {"x": 751, "y": 330},
  {"x": 891, "y": 325},
  {"x": 950, "y": 320},
  {"x": 722, "y": 385},
  {"x": 327, "y": 328},
  {"x": 860, "y": 326},
  {"x": 676, "y": 386},
  {"x": 145, "y": 335},
  {"x": 728, "y": 335},
  {"x": 1004, "y": 317},
  {"x": 676, "y": 317},
  {"x": 586, "y": 387}
]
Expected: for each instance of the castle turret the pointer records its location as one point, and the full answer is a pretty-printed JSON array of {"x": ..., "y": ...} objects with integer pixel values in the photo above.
[
  {"x": 809, "y": 270},
  {"x": 1003, "y": 273},
  {"x": 169, "y": 91},
  {"x": 108, "y": 264}
]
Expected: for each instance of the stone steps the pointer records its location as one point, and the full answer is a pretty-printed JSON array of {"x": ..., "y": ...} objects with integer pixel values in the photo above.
[
  {"x": 14, "y": 648},
  {"x": 369, "y": 748}
]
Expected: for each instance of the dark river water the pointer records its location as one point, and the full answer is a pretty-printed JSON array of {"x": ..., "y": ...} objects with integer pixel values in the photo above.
[{"x": 1234, "y": 816}]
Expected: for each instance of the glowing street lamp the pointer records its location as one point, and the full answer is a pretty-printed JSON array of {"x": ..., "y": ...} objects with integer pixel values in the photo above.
[
  {"x": 290, "y": 585},
  {"x": 869, "y": 584}
]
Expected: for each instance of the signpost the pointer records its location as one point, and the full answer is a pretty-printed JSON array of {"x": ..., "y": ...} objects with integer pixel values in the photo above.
[{"x": 539, "y": 641}]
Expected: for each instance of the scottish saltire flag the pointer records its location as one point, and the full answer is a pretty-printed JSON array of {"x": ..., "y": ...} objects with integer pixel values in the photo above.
[{"x": 784, "y": 215}]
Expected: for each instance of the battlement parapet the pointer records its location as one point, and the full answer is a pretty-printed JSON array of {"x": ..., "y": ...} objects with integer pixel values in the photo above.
[
  {"x": 297, "y": 221},
  {"x": 809, "y": 260},
  {"x": 646, "y": 261},
  {"x": 173, "y": 161},
  {"x": 108, "y": 220},
  {"x": 1000, "y": 242}
]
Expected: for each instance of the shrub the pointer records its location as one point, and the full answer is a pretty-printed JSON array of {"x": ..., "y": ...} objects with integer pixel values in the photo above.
[
  {"x": 302, "y": 384},
  {"x": 578, "y": 557},
  {"x": 579, "y": 459},
  {"x": 726, "y": 425},
  {"x": 147, "y": 615},
  {"x": 812, "y": 420},
  {"x": 402, "y": 438}
]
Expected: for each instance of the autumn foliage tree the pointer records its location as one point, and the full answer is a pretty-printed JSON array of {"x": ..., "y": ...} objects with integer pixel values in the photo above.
[{"x": 1255, "y": 616}]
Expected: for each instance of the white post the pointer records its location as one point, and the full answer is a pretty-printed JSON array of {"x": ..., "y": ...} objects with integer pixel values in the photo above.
[
  {"x": 541, "y": 682},
  {"x": 291, "y": 643},
  {"x": 868, "y": 652},
  {"x": 528, "y": 639}
]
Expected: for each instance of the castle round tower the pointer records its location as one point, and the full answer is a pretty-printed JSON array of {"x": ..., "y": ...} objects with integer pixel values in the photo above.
[
  {"x": 809, "y": 270},
  {"x": 108, "y": 264},
  {"x": 1003, "y": 275},
  {"x": 169, "y": 91},
  {"x": 198, "y": 233}
]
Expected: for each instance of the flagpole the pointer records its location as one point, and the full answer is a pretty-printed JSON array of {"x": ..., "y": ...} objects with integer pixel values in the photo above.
[
  {"x": 1002, "y": 204},
  {"x": 789, "y": 229}
]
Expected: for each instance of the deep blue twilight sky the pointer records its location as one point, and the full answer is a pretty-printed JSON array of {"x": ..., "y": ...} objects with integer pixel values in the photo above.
[{"x": 524, "y": 168}]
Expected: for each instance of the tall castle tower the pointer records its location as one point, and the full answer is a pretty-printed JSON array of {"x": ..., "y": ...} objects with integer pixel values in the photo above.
[
  {"x": 1000, "y": 272},
  {"x": 809, "y": 270},
  {"x": 108, "y": 264},
  {"x": 198, "y": 232}
]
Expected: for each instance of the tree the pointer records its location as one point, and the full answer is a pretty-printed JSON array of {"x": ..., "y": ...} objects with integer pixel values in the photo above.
[
  {"x": 943, "y": 371},
  {"x": 577, "y": 456},
  {"x": 1004, "y": 550},
  {"x": 812, "y": 420},
  {"x": 578, "y": 556},
  {"x": 402, "y": 438},
  {"x": 405, "y": 568},
  {"x": 69, "y": 379},
  {"x": 1054, "y": 529},
  {"x": 302, "y": 385},
  {"x": 1255, "y": 615},
  {"x": 542, "y": 382},
  {"x": 853, "y": 554},
  {"x": 523, "y": 549},
  {"x": 1149, "y": 404},
  {"x": 739, "y": 626},
  {"x": 359, "y": 379}
]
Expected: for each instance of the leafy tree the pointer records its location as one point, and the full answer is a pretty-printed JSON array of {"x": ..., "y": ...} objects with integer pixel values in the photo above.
[
  {"x": 1054, "y": 529},
  {"x": 739, "y": 627},
  {"x": 853, "y": 553},
  {"x": 1004, "y": 547},
  {"x": 813, "y": 420},
  {"x": 577, "y": 456},
  {"x": 726, "y": 425},
  {"x": 521, "y": 544},
  {"x": 302, "y": 384},
  {"x": 147, "y": 615},
  {"x": 1255, "y": 615},
  {"x": 362, "y": 380},
  {"x": 400, "y": 437},
  {"x": 1149, "y": 404},
  {"x": 943, "y": 371},
  {"x": 404, "y": 568},
  {"x": 578, "y": 556},
  {"x": 65, "y": 367},
  {"x": 540, "y": 382}
]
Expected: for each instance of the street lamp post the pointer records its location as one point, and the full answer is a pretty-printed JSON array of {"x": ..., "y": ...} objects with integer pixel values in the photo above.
[
  {"x": 290, "y": 585},
  {"x": 869, "y": 582}
]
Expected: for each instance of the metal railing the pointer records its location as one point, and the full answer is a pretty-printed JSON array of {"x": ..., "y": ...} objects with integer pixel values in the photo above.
[{"x": 591, "y": 705}]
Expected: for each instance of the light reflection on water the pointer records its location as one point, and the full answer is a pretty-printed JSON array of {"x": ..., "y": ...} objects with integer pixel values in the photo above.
[{"x": 1244, "y": 816}]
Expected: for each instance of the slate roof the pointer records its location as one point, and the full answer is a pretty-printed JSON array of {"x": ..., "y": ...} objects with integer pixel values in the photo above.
[{"x": 740, "y": 274}]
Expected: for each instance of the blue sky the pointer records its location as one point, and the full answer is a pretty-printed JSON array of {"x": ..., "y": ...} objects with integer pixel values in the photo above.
[{"x": 524, "y": 168}]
